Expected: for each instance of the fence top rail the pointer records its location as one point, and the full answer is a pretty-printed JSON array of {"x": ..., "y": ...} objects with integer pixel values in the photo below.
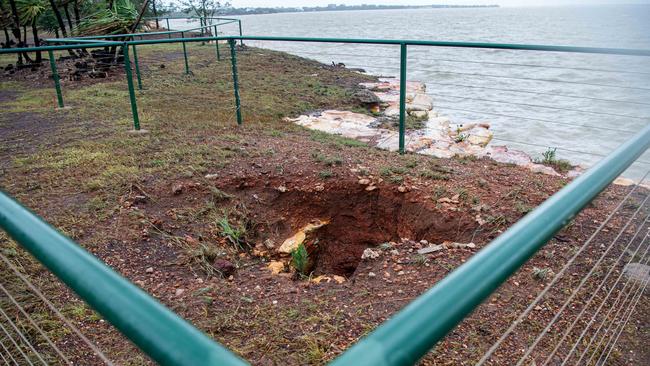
[
  {"x": 413, "y": 331},
  {"x": 142, "y": 34},
  {"x": 96, "y": 44},
  {"x": 526, "y": 47},
  {"x": 159, "y": 332},
  {"x": 502, "y": 46},
  {"x": 79, "y": 40},
  {"x": 192, "y": 17}
]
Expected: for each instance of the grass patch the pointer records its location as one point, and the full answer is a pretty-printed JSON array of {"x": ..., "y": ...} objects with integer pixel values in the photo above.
[{"x": 549, "y": 158}]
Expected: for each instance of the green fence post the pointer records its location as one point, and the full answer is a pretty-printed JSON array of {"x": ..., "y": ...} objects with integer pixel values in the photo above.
[
  {"x": 55, "y": 76},
  {"x": 216, "y": 34},
  {"x": 402, "y": 97},
  {"x": 169, "y": 35},
  {"x": 187, "y": 65},
  {"x": 240, "y": 33},
  {"x": 235, "y": 80},
  {"x": 137, "y": 67},
  {"x": 129, "y": 80}
]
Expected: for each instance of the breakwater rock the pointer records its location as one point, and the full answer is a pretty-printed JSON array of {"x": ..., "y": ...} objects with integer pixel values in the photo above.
[{"x": 438, "y": 135}]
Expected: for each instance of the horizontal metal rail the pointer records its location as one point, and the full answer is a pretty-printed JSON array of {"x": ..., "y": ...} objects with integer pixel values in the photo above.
[
  {"x": 412, "y": 332},
  {"x": 192, "y": 18},
  {"x": 499, "y": 46},
  {"x": 570, "y": 49},
  {"x": 159, "y": 332},
  {"x": 142, "y": 34},
  {"x": 97, "y": 44}
]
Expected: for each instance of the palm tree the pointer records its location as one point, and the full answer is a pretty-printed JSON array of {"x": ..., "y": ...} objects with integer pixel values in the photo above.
[
  {"x": 30, "y": 12},
  {"x": 119, "y": 18},
  {"x": 5, "y": 23}
]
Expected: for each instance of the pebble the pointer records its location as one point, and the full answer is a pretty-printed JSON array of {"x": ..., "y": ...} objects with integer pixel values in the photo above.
[
  {"x": 225, "y": 267},
  {"x": 371, "y": 188},
  {"x": 364, "y": 181},
  {"x": 177, "y": 188},
  {"x": 282, "y": 189},
  {"x": 402, "y": 189},
  {"x": 149, "y": 270},
  {"x": 370, "y": 254},
  {"x": 371, "y": 274},
  {"x": 211, "y": 176},
  {"x": 179, "y": 291}
]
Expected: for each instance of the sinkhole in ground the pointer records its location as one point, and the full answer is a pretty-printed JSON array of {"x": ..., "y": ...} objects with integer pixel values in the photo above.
[{"x": 359, "y": 219}]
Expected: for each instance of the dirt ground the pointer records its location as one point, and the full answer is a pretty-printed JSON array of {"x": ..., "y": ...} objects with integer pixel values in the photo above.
[{"x": 194, "y": 212}]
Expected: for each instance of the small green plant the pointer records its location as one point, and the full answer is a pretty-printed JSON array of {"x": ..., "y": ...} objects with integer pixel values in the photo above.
[
  {"x": 439, "y": 192},
  {"x": 318, "y": 156},
  {"x": 460, "y": 136},
  {"x": 432, "y": 174},
  {"x": 385, "y": 171},
  {"x": 234, "y": 234},
  {"x": 411, "y": 164},
  {"x": 541, "y": 274},
  {"x": 219, "y": 195},
  {"x": 385, "y": 246},
  {"x": 523, "y": 207},
  {"x": 326, "y": 174},
  {"x": 462, "y": 194},
  {"x": 464, "y": 159},
  {"x": 300, "y": 260},
  {"x": 334, "y": 161},
  {"x": 420, "y": 260},
  {"x": 549, "y": 158}
]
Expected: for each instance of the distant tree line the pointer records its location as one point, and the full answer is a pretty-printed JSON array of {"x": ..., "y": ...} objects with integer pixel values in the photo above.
[
  {"x": 22, "y": 22},
  {"x": 339, "y": 7}
]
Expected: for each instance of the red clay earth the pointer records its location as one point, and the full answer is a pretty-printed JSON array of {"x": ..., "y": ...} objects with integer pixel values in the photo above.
[{"x": 163, "y": 234}]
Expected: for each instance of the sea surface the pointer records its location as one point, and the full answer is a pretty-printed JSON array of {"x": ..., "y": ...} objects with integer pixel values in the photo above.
[{"x": 583, "y": 105}]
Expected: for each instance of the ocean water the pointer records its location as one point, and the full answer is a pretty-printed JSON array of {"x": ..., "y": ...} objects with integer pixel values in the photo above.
[{"x": 583, "y": 105}]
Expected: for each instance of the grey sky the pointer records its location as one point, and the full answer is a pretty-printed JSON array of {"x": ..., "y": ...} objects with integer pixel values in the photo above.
[{"x": 272, "y": 3}]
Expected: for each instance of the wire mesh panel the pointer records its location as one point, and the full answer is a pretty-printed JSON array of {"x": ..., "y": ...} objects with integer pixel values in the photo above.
[{"x": 41, "y": 322}]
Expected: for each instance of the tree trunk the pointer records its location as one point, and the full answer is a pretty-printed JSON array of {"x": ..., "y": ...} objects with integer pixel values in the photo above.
[
  {"x": 155, "y": 13},
  {"x": 24, "y": 44},
  {"x": 4, "y": 27},
  {"x": 77, "y": 17},
  {"x": 6, "y": 44},
  {"x": 59, "y": 19},
  {"x": 37, "y": 42},
  {"x": 67, "y": 15},
  {"x": 140, "y": 15},
  {"x": 15, "y": 26}
]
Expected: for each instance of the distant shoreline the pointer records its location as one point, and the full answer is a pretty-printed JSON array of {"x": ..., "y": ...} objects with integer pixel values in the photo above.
[{"x": 278, "y": 10}]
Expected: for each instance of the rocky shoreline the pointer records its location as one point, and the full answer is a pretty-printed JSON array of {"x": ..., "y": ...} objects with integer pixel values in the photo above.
[{"x": 439, "y": 136}]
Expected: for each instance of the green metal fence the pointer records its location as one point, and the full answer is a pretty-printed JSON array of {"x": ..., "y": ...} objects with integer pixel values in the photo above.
[{"x": 401, "y": 340}]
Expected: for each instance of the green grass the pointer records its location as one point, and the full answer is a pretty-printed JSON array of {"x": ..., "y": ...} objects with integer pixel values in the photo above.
[{"x": 549, "y": 158}]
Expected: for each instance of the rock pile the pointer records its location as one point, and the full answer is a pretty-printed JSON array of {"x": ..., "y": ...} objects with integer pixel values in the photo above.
[{"x": 439, "y": 137}]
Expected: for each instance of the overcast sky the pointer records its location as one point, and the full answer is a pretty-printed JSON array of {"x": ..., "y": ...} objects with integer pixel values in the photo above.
[{"x": 272, "y": 3}]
